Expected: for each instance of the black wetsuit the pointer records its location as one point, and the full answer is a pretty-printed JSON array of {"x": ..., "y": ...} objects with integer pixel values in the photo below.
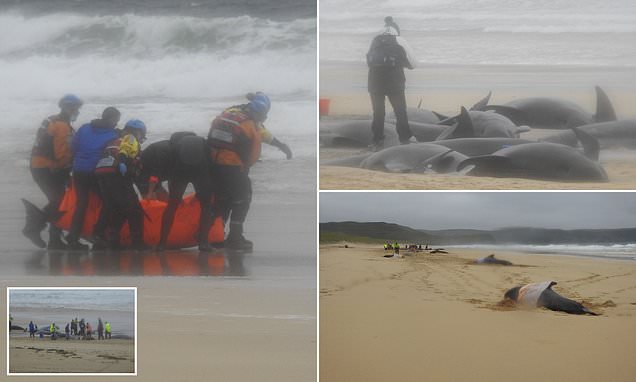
[
  {"x": 189, "y": 164},
  {"x": 155, "y": 161},
  {"x": 53, "y": 185},
  {"x": 233, "y": 193},
  {"x": 388, "y": 81}
]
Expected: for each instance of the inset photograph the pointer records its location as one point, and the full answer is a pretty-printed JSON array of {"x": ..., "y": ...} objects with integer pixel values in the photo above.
[
  {"x": 85, "y": 331},
  {"x": 435, "y": 95},
  {"x": 474, "y": 286}
]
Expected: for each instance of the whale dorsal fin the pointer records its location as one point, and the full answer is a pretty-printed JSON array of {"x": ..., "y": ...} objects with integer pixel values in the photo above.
[
  {"x": 482, "y": 103},
  {"x": 491, "y": 256},
  {"x": 604, "y": 109},
  {"x": 463, "y": 129},
  {"x": 591, "y": 146}
]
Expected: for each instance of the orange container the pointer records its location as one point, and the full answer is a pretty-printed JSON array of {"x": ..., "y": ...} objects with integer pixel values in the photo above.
[{"x": 323, "y": 106}]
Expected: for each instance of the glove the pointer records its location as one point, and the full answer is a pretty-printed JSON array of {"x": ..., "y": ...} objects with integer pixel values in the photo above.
[
  {"x": 123, "y": 169},
  {"x": 284, "y": 148}
]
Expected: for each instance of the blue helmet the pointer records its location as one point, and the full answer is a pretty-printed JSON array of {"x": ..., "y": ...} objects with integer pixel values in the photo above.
[
  {"x": 259, "y": 105},
  {"x": 137, "y": 125},
  {"x": 70, "y": 100}
]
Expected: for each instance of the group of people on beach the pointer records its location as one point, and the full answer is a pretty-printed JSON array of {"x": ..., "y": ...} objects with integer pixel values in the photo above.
[
  {"x": 80, "y": 329},
  {"x": 109, "y": 162}
]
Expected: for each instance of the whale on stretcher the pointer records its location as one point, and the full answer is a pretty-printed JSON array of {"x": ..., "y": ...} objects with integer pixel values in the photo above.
[{"x": 182, "y": 235}]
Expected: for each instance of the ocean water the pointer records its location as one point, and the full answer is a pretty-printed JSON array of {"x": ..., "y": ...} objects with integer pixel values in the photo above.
[
  {"x": 492, "y": 32},
  {"x": 616, "y": 251},
  {"x": 73, "y": 299},
  {"x": 44, "y": 306},
  {"x": 174, "y": 65}
]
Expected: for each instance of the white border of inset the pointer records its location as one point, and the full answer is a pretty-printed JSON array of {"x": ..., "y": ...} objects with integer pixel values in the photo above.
[{"x": 134, "y": 288}]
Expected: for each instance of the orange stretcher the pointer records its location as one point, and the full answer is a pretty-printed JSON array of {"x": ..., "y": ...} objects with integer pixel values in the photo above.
[{"x": 182, "y": 235}]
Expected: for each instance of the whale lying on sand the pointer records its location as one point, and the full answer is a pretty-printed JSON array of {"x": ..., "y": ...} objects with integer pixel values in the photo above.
[
  {"x": 421, "y": 157},
  {"x": 471, "y": 124},
  {"x": 491, "y": 259},
  {"x": 542, "y": 295},
  {"x": 353, "y": 133},
  {"x": 554, "y": 113},
  {"x": 480, "y": 146},
  {"x": 609, "y": 134},
  {"x": 542, "y": 160}
]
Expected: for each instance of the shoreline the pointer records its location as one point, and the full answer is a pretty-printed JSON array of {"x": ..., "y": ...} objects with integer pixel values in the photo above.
[{"x": 411, "y": 318}]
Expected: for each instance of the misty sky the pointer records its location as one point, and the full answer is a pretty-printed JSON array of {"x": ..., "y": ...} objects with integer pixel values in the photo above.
[{"x": 483, "y": 210}]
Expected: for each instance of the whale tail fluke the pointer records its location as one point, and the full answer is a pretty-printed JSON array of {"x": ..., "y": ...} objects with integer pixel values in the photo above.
[{"x": 34, "y": 224}]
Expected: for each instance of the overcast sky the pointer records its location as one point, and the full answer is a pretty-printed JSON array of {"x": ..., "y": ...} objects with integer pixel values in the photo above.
[{"x": 483, "y": 210}]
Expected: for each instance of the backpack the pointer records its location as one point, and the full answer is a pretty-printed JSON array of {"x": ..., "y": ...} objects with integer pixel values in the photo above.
[
  {"x": 383, "y": 52},
  {"x": 43, "y": 145}
]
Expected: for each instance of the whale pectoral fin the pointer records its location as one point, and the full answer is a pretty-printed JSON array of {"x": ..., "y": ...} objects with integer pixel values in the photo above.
[
  {"x": 448, "y": 121},
  {"x": 482, "y": 103},
  {"x": 517, "y": 116},
  {"x": 586, "y": 310},
  {"x": 522, "y": 129},
  {"x": 604, "y": 109},
  {"x": 431, "y": 164},
  {"x": 440, "y": 116},
  {"x": 591, "y": 145}
]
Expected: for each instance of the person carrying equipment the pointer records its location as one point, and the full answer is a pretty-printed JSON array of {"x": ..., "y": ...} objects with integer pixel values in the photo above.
[
  {"x": 87, "y": 146},
  {"x": 51, "y": 159},
  {"x": 188, "y": 164},
  {"x": 386, "y": 60},
  {"x": 235, "y": 145},
  {"x": 115, "y": 171}
]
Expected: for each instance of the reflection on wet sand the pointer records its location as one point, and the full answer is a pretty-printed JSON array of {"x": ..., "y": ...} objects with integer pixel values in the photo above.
[{"x": 132, "y": 263}]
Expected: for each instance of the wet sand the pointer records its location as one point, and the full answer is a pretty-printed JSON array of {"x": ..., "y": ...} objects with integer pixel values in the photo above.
[
  {"x": 29, "y": 355},
  {"x": 439, "y": 318},
  {"x": 446, "y": 88}
]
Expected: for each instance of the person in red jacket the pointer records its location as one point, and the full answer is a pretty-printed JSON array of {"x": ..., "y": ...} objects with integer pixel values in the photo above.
[
  {"x": 235, "y": 139},
  {"x": 51, "y": 159}
]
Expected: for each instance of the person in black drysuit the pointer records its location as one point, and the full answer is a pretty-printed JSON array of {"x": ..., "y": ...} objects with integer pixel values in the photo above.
[
  {"x": 386, "y": 60},
  {"x": 155, "y": 169},
  {"x": 189, "y": 163}
]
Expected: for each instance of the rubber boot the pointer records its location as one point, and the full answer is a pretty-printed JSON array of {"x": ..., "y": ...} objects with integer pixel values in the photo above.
[{"x": 235, "y": 239}]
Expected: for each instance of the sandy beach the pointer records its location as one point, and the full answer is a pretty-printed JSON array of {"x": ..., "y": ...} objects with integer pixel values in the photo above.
[
  {"x": 439, "y": 318},
  {"x": 29, "y": 355},
  {"x": 444, "y": 88}
]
